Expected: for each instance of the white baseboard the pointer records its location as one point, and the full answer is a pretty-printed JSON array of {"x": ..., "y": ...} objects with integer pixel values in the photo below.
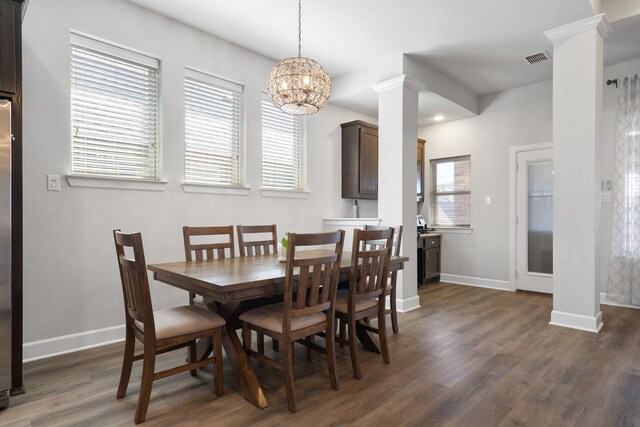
[
  {"x": 604, "y": 300},
  {"x": 409, "y": 304},
  {"x": 50, "y": 347},
  {"x": 479, "y": 282},
  {"x": 577, "y": 321}
]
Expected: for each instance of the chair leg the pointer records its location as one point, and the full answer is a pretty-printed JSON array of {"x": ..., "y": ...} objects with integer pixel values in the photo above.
[
  {"x": 246, "y": 336},
  {"x": 394, "y": 310},
  {"x": 193, "y": 357},
  {"x": 127, "y": 363},
  {"x": 382, "y": 332},
  {"x": 219, "y": 376},
  {"x": 310, "y": 339},
  {"x": 351, "y": 324},
  {"x": 331, "y": 355},
  {"x": 288, "y": 371},
  {"x": 260, "y": 340},
  {"x": 148, "y": 367},
  {"x": 343, "y": 332}
]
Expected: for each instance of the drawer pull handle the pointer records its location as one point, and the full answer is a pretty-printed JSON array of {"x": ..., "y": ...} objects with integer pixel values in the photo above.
[{"x": 433, "y": 242}]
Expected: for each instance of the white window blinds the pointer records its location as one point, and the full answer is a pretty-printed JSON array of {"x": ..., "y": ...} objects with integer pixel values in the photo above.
[
  {"x": 114, "y": 111},
  {"x": 451, "y": 192},
  {"x": 213, "y": 130},
  {"x": 282, "y": 149}
]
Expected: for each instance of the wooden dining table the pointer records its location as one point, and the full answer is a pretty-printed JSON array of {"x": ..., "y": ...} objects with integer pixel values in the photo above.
[{"x": 239, "y": 284}]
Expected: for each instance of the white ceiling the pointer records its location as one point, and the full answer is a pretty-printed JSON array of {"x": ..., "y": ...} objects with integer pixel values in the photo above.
[{"x": 481, "y": 44}]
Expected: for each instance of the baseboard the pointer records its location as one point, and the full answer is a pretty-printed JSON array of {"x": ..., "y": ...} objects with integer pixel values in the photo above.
[
  {"x": 577, "y": 321},
  {"x": 50, "y": 347},
  {"x": 408, "y": 304},
  {"x": 606, "y": 301},
  {"x": 479, "y": 282}
]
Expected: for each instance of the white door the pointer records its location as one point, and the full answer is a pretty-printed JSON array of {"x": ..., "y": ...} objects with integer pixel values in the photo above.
[{"x": 534, "y": 229}]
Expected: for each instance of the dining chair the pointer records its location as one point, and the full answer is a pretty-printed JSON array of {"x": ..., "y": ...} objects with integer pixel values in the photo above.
[
  {"x": 364, "y": 299},
  {"x": 259, "y": 246},
  {"x": 159, "y": 331},
  {"x": 263, "y": 246},
  {"x": 393, "y": 276},
  {"x": 219, "y": 244},
  {"x": 311, "y": 279}
]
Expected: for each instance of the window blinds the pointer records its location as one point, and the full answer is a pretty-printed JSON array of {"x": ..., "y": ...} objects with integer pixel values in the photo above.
[
  {"x": 282, "y": 149},
  {"x": 114, "y": 111},
  {"x": 451, "y": 192},
  {"x": 213, "y": 130}
]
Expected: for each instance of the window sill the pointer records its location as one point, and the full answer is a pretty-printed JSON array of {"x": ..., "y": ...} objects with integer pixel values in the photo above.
[
  {"x": 86, "y": 181},
  {"x": 215, "y": 189},
  {"x": 452, "y": 230},
  {"x": 286, "y": 194}
]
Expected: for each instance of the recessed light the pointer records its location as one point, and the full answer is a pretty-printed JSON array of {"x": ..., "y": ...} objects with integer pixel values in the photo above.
[{"x": 438, "y": 117}]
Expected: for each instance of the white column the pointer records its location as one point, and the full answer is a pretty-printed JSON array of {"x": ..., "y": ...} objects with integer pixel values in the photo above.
[
  {"x": 577, "y": 110},
  {"x": 397, "y": 141}
]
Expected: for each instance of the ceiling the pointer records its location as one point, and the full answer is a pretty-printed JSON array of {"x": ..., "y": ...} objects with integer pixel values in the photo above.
[{"x": 481, "y": 45}]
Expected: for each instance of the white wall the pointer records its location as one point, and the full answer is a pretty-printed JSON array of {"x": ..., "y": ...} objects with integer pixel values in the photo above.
[
  {"x": 514, "y": 117},
  {"x": 71, "y": 282}
]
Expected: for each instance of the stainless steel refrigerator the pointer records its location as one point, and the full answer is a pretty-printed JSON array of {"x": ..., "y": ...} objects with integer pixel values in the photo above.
[{"x": 5, "y": 251}]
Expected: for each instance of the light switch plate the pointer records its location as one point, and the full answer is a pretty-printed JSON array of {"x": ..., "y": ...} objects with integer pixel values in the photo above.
[{"x": 53, "y": 182}]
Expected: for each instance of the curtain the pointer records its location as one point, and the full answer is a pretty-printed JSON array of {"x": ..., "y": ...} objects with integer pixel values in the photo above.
[{"x": 624, "y": 269}]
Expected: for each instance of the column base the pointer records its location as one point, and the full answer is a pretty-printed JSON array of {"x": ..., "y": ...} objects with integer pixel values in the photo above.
[
  {"x": 577, "y": 321},
  {"x": 409, "y": 304}
]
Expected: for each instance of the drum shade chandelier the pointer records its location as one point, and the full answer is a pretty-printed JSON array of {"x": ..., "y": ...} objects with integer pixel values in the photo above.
[{"x": 299, "y": 85}]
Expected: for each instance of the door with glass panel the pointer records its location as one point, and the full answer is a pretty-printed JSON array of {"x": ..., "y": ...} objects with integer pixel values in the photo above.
[{"x": 534, "y": 195}]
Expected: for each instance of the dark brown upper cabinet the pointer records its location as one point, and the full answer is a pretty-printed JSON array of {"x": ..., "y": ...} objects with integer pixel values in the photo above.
[
  {"x": 420, "y": 173},
  {"x": 8, "y": 16},
  {"x": 360, "y": 162}
]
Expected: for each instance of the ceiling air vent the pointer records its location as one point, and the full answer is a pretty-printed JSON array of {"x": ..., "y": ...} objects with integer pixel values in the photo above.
[{"x": 537, "y": 57}]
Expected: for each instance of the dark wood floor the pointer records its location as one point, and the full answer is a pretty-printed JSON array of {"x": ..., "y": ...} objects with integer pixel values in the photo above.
[{"x": 469, "y": 356}]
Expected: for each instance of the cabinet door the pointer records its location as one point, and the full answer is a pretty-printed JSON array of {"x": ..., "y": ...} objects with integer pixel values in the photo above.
[
  {"x": 420, "y": 172},
  {"x": 7, "y": 48},
  {"x": 432, "y": 262},
  {"x": 368, "y": 181}
]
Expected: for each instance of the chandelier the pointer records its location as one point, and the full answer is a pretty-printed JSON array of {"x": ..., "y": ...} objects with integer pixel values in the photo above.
[{"x": 299, "y": 85}]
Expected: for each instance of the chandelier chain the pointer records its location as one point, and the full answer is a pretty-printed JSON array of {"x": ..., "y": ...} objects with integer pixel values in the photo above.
[{"x": 299, "y": 28}]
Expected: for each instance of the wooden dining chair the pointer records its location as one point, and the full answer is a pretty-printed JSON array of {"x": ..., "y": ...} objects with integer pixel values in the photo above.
[
  {"x": 263, "y": 246},
  {"x": 367, "y": 286},
  {"x": 220, "y": 244},
  {"x": 159, "y": 331},
  {"x": 393, "y": 276},
  {"x": 310, "y": 285},
  {"x": 260, "y": 246}
]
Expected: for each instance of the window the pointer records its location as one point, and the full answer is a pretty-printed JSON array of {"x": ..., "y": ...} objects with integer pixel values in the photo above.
[
  {"x": 213, "y": 130},
  {"x": 114, "y": 111},
  {"x": 282, "y": 149},
  {"x": 451, "y": 192}
]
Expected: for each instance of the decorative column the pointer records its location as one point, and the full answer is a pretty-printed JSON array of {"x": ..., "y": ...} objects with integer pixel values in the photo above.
[
  {"x": 397, "y": 204},
  {"x": 577, "y": 111}
]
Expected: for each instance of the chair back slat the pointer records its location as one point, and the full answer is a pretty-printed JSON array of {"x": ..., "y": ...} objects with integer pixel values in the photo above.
[
  {"x": 370, "y": 263},
  {"x": 311, "y": 278},
  {"x": 209, "y": 250},
  {"x": 264, "y": 246},
  {"x": 134, "y": 280},
  {"x": 397, "y": 237}
]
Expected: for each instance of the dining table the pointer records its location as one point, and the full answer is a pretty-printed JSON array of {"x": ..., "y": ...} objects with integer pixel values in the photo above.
[{"x": 238, "y": 284}]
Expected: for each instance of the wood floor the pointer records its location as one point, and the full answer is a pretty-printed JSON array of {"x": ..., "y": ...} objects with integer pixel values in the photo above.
[{"x": 468, "y": 357}]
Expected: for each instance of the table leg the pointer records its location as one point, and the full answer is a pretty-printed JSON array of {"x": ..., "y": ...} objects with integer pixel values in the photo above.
[
  {"x": 365, "y": 338},
  {"x": 242, "y": 369}
]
